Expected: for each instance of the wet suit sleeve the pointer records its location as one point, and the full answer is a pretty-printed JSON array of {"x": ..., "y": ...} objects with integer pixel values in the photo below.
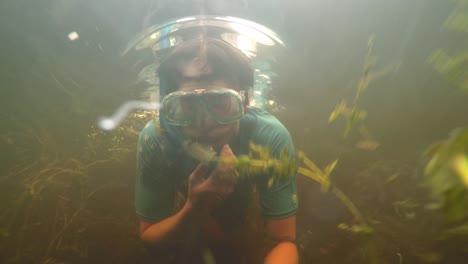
[
  {"x": 154, "y": 197},
  {"x": 279, "y": 201}
]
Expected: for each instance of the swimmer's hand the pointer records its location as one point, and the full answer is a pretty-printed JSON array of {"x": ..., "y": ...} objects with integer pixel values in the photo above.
[{"x": 205, "y": 194}]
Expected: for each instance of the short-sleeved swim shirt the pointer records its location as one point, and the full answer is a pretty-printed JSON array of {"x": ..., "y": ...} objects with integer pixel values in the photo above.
[{"x": 161, "y": 169}]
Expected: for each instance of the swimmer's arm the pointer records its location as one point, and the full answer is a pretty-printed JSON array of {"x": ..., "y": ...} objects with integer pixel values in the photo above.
[
  {"x": 283, "y": 232},
  {"x": 173, "y": 229}
]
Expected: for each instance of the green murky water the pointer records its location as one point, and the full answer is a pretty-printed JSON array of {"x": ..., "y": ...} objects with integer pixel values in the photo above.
[{"x": 66, "y": 188}]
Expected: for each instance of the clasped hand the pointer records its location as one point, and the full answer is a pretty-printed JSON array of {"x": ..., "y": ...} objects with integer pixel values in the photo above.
[{"x": 205, "y": 193}]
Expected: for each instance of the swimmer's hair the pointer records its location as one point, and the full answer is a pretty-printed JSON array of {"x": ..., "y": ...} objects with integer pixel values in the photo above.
[{"x": 208, "y": 59}]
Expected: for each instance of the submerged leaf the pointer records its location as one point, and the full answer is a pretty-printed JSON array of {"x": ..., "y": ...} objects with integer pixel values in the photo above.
[
  {"x": 458, "y": 20},
  {"x": 330, "y": 167},
  {"x": 368, "y": 144},
  {"x": 340, "y": 109},
  {"x": 270, "y": 182},
  {"x": 359, "y": 229},
  {"x": 309, "y": 163},
  {"x": 354, "y": 117},
  {"x": 392, "y": 178},
  {"x": 453, "y": 68},
  {"x": 460, "y": 167},
  {"x": 433, "y": 150},
  {"x": 446, "y": 174},
  {"x": 461, "y": 230}
]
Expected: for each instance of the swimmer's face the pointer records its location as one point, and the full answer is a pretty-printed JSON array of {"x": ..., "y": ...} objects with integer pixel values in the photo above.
[{"x": 204, "y": 128}]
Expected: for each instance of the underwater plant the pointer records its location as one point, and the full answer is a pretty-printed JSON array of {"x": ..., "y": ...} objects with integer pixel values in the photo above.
[
  {"x": 260, "y": 161},
  {"x": 53, "y": 188},
  {"x": 313, "y": 172},
  {"x": 446, "y": 175},
  {"x": 446, "y": 171},
  {"x": 454, "y": 67},
  {"x": 352, "y": 113}
]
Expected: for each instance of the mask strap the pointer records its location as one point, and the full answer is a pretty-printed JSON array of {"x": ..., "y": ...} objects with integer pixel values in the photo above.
[
  {"x": 246, "y": 95},
  {"x": 173, "y": 133}
]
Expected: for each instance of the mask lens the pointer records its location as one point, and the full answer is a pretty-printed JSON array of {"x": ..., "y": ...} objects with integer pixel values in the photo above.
[
  {"x": 225, "y": 107},
  {"x": 179, "y": 109}
]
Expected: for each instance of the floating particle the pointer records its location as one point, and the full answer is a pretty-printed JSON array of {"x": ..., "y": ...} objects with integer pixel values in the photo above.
[{"x": 72, "y": 36}]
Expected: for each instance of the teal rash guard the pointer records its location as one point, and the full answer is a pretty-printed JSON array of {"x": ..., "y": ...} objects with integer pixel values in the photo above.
[{"x": 162, "y": 169}]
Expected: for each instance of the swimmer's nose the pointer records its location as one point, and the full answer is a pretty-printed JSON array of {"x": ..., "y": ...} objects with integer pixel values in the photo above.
[{"x": 203, "y": 119}]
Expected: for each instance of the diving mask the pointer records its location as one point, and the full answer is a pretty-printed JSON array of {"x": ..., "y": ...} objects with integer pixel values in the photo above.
[{"x": 224, "y": 105}]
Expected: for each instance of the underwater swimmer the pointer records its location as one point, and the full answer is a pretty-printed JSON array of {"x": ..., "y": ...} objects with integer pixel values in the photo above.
[{"x": 186, "y": 208}]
